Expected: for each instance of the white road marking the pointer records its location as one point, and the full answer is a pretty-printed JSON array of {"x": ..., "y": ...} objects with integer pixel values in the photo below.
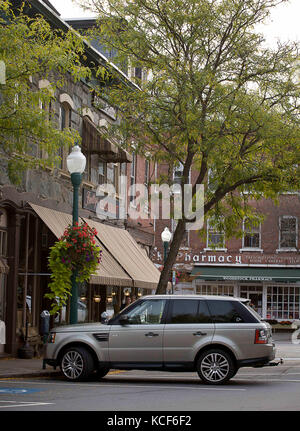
[
  {"x": 22, "y": 404},
  {"x": 114, "y": 385},
  {"x": 270, "y": 380}
]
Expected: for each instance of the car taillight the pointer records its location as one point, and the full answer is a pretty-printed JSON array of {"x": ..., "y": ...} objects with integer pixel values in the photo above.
[{"x": 261, "y": 336}]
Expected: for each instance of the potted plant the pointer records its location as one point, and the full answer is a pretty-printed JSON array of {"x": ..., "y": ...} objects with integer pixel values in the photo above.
[{"x": 76, "y": 250}]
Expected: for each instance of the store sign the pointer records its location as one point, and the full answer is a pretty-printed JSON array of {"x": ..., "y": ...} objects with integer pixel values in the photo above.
[
  {"x": 246, "y": 278},
  {"x": 191, "y": 257}
]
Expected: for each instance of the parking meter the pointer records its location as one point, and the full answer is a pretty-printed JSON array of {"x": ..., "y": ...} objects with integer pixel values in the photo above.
[{"x": 45, "y": 324}]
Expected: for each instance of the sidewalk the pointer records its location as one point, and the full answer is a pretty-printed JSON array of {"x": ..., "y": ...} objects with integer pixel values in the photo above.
[{"x": 14, "y": 367}]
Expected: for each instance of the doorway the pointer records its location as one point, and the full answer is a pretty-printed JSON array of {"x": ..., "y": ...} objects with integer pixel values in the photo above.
[{"x": 255, "y": 294}]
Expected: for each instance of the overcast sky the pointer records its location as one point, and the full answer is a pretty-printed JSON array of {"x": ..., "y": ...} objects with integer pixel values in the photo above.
[{"x": 285, "y": 24}]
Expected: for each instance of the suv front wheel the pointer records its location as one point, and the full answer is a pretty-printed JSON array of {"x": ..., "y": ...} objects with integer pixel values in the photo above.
[
  {"x": 77, "y": 364},
  {"x": 215, "y": 367}
]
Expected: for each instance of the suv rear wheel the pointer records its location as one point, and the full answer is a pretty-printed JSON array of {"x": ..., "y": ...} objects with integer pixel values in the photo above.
[
  {"x": 77, "y": 364},
  {"x": 215, "y": 367}
]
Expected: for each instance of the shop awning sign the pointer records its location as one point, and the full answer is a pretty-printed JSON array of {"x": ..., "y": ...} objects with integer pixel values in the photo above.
[{"x": 246, "y": 273}]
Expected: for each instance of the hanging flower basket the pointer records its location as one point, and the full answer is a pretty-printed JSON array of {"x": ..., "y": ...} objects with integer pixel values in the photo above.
[{"x": 76, "y": 251}]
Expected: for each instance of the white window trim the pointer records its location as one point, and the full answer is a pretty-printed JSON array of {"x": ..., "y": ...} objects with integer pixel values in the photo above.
[
  {"x": 285, "y": 249},
  {"x": 65, "y": 98},
  {"x": 173, "y": 227},
  {"x": 215, "y": 249},
  {"x": 133, "y": 175},
  {"x": 211, "y": 248},
  {"x": 148, "y": 173},
  {"x": 181, "y": 170},
  {"x": 247, "y": 249}
]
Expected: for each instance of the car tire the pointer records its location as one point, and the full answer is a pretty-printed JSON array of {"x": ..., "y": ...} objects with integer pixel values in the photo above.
[
  {"x": 215, "y": 367},
  {"x": 77, "y": 364},
  {"x": 102, "y": 371}
]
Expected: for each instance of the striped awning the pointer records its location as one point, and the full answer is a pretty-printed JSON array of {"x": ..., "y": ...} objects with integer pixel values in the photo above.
[
  {"x": 129, "y": 255},
  {"x": 109, "y": 271}
]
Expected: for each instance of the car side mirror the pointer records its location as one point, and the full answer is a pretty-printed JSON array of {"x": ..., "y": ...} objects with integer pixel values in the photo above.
[{"x": 124, "y": 320}]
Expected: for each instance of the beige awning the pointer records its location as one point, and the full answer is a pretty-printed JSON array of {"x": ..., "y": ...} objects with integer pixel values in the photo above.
[
  {"x": 128, "y": 253},
  {"x": 109, "y": 271}
]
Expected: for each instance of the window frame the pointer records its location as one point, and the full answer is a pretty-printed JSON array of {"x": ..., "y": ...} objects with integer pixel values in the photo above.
[
  {"x": 177, "y": 179},
  {"x": 133, "y": 180},
  {"x": 247, "y": 248},
  {"x": 170, "y": 310},
  {"x": 208, "y": 247},
  {"x": 186, "y": 237},
  {"x": 240, "y": 310},
  {"x": 139, "y": 302},
  {"x": 3, "y": 242},
  {"x": 63, "y": 151},
  {"x": 282, "y": 301},
  {"x": 280, "y": 248}
]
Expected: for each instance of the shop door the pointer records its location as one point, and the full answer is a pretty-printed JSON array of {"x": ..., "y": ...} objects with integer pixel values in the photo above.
[{"x": 255, "y": 294}]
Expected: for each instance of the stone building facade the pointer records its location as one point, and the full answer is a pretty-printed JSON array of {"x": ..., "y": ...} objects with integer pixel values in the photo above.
[{"x": 34, "y": 214}]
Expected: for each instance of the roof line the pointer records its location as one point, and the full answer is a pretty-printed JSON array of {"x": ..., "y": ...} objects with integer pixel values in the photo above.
[{"x": 59, "y": 21}]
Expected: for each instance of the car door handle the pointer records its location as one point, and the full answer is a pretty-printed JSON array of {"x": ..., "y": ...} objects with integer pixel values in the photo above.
[
  {"x": 199, "y": 333},
  {"x": 151, "y": 334}
]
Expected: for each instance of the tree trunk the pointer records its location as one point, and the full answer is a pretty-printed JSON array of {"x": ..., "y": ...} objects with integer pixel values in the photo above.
[{"x": 171, "y": 258}]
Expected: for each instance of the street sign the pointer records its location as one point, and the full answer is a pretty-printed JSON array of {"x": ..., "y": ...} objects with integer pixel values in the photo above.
[{"x": 173, "y": 278}]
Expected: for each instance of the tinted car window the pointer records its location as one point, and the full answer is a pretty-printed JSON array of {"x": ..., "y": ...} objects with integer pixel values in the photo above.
[
  {"x": 229, "y": 312},
  {"x": 204, "y": 314},
  {"x": 189, "y": 311},
  {"x": 147, "y": 312},
  {"x": 245, "y": 313}
]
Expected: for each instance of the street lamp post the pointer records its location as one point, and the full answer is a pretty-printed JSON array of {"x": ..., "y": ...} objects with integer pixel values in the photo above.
[
  {"x": 166, "y": 237},
  {"x": 76, "y": 162}
]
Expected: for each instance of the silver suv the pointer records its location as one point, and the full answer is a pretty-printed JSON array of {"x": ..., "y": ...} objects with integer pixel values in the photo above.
[{"x": 213, "y": 335}]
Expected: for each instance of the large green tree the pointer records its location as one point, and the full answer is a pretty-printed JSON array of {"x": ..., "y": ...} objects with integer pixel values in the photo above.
[
  {"x": 217, "y": 98},
  {"x": 29, "y": 50}
]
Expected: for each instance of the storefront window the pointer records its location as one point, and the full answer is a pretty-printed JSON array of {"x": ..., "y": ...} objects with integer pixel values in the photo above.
[
  {"x": 282, "y": 302},
  {"x": 215, "y": 289},
  {"x": 255, "y": 295}
]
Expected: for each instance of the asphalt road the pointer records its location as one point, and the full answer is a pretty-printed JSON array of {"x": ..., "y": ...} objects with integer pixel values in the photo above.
[{"x": 265, "y": 389}]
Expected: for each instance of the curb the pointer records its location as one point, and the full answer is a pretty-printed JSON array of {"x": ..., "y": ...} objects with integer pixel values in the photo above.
[{"x": 33, "y": 374}]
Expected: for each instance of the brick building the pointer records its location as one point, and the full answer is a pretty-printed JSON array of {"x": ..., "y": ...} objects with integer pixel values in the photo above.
[{"x": 263, "y": 265}]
